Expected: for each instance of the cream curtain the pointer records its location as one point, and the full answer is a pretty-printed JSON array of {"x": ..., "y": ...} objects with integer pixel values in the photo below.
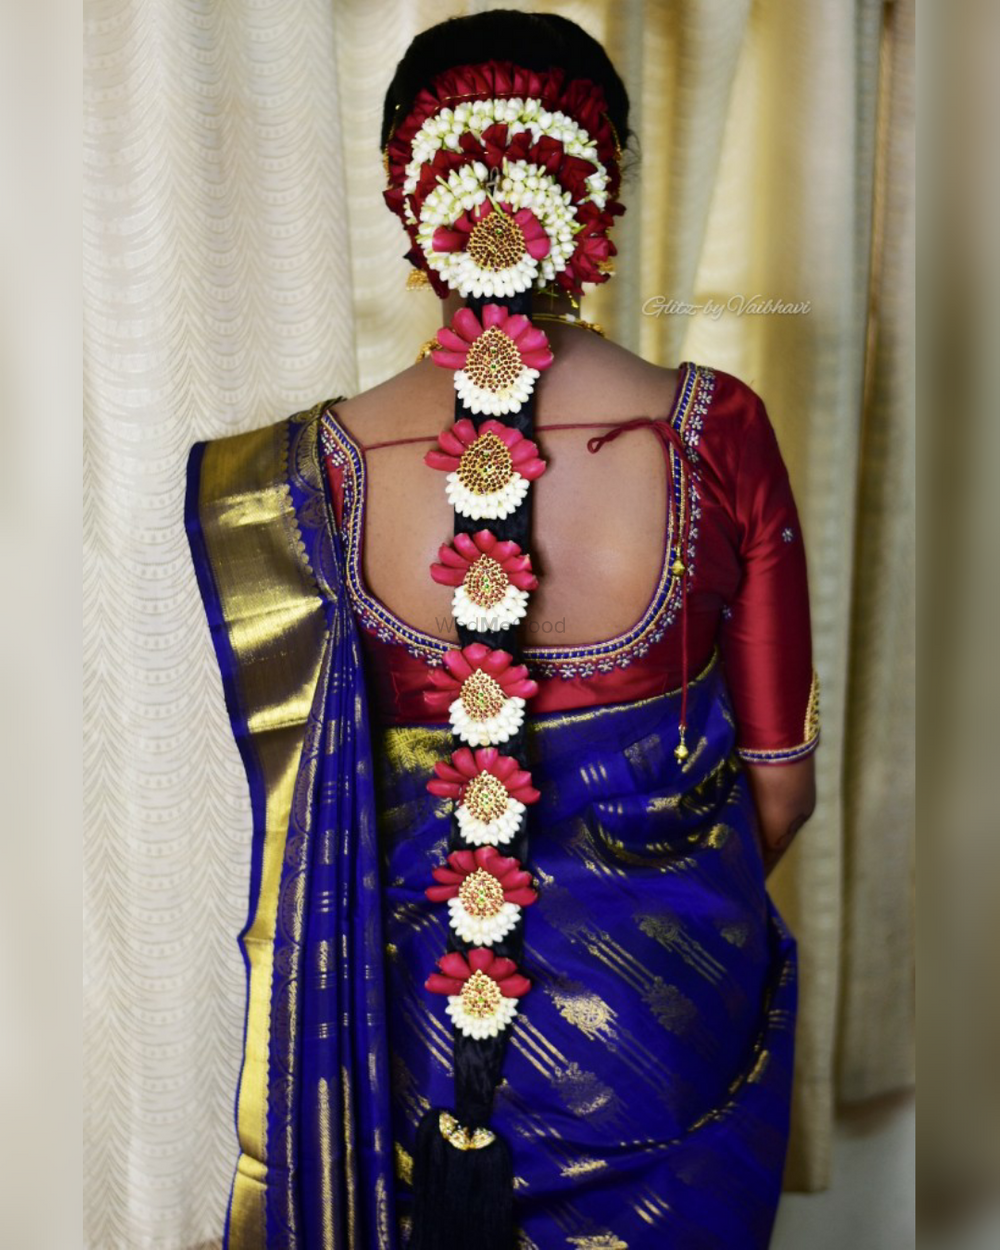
[{"x": 239, "y": 265}]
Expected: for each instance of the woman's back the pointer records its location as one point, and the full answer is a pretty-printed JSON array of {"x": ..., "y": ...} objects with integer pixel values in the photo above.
[
  {"x": 598, "y": 519},
  {"x": 605, "y": 614},
  {"x": 517, "y": 786}
]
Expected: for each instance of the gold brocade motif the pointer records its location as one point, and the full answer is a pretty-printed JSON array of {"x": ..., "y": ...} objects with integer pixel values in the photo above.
[
  {"x": 811, "y": 728},
  {"x": 404, "y": 1163},
  {"x": 274, "y": 617}
]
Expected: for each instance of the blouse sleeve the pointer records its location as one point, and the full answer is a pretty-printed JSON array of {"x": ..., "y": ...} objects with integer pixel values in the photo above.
[{"x": 765, "y": 638}]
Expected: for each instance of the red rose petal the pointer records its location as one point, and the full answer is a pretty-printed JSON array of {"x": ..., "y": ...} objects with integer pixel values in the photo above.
[
  {"x": 467, "y": 324},
  {"x": 480, "y": 959},
  {"x": 515, "y": 986},
  {"x": 522, "y": 897},
  {"x": 438, "y": 984},
  {"x": 453, "y": 964}
]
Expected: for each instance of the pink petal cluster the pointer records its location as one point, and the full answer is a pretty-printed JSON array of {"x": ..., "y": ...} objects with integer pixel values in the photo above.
[
  {"x": 458, "y": 438},
  {"x": 455, "y": 970},
  {"x": 515, "y": 882},
  {"x": 531, "y": 343},
  {"x": 452, "y": 778},
  {"x": 456, "y": 238},
  {"x": 458, "y": 556},
  {"x": 458, "y": 665}
]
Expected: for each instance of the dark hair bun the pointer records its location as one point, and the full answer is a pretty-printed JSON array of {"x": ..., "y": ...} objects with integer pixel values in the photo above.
[{"x": 536, "y": 41}]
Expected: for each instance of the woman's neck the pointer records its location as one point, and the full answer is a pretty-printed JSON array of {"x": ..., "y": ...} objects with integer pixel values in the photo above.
[{"x": 551, "y": 305}]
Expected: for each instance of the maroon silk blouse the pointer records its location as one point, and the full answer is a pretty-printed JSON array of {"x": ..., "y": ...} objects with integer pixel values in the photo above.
[{"x": 748, "y": 592}]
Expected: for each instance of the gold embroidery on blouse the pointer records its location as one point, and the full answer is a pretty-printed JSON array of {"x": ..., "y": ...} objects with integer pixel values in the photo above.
[{"x": 812, "y": 710}]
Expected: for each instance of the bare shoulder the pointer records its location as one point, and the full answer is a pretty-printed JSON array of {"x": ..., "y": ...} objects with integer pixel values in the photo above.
[
  {"x": 595, "y": 378},
  {"x": 407, "y": 405}
]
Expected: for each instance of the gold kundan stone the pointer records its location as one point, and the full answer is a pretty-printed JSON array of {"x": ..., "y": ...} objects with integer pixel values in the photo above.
[
  {"x": 486, "y": 797},
  {"x": 485, "y": 465},
  {"x": 481, "y": 696},
  {"x": 486, "y": 582},
  {"x": 496, "y": 242},
  {"x": 493, "y": 361},
  {"x": 481, "y": 894},
  {"x": 481, "y": 996}
]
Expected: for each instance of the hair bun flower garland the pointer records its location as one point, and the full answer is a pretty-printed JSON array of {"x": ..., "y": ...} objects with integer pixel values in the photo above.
[
  {"x": 491, "y": 579},
  {"x": 494, "y": 138},
  {"x": 491, "y": 791},
  {"x": 496, "y": 360}
]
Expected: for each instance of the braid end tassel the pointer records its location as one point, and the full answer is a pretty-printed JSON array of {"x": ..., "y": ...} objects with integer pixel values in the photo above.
[{"x": 461, "y": 1198}]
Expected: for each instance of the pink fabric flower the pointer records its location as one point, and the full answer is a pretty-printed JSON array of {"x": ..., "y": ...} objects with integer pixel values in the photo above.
[
  {"x": 456, "y": 970},
  {"x": 491, "y": 792},
  {"x": 459, "y": 557},
  {"x": 456, "y": 239},
  {"x": 453, "y": 779},
  {"x": 512, "y": 879},
  {"x": 456, "y": 339},
  {"x": 454, "y": 442},
  {"x": 460, "y": 665}
]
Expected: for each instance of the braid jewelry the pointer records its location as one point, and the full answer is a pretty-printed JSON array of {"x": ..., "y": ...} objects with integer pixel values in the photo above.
[{"x": 504, "y": 179}]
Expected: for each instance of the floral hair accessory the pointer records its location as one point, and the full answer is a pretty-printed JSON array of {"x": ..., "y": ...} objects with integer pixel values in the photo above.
[
  {"x": 491, "y": 579},
  {"x": 496, "y": 361},
  {"x": 492, "y": 249},
  {"x": 489, "y": 469},
  {"x": 485, "y": 892},
  {"x": 492, "y": 792},
  {"x": 482, "y": 990},
  {"x": 483, "y": 691},
  {"x": 494, "y": 137}
]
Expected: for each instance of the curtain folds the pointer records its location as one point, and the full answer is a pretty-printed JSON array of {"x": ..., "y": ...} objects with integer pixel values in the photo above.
[{"x": 240, "y": 266}]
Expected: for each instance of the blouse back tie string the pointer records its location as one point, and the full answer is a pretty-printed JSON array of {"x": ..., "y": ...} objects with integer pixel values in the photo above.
[{"x": 669, "y": 438}]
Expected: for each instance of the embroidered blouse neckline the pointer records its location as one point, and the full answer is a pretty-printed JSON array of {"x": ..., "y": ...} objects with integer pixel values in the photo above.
[{"x": 691, "y": 400}]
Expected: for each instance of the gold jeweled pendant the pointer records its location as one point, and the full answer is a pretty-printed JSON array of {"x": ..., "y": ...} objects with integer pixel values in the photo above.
[
  {"x": 481, "y": 996},
  {"x": 485, "y": 466},
  {"x": 493, "y": 361},
  {"x": 485, "y": 583},
  {"x": 481, "y": 894},
  {"x": 486, "y": 797},
  {"x": 481, "y": 696},
  {"x": 496, "y": 242}
]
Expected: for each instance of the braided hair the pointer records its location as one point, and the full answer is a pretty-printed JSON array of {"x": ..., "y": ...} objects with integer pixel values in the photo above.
[{"x": 463, "y": 1174}]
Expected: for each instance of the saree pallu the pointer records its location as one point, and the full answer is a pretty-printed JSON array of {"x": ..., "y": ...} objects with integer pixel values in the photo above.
[{"x": 647, "y": 1077}]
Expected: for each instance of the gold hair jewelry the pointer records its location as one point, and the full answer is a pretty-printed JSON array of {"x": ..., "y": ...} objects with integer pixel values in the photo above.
[
  {"x": 551, "y": 292},
  {"x": 461, "y": 1137},
  {"x": 426, "y": 349},
  {"x": 416, "y": 279},
  {"x": 566, "y": 319}
]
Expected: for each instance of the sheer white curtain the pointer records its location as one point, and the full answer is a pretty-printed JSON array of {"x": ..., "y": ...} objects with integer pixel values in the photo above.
[{"x": 240, "y": 265}]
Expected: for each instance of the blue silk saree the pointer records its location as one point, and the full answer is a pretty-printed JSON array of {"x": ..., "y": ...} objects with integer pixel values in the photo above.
[{"x": 647, "y": 1081}]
